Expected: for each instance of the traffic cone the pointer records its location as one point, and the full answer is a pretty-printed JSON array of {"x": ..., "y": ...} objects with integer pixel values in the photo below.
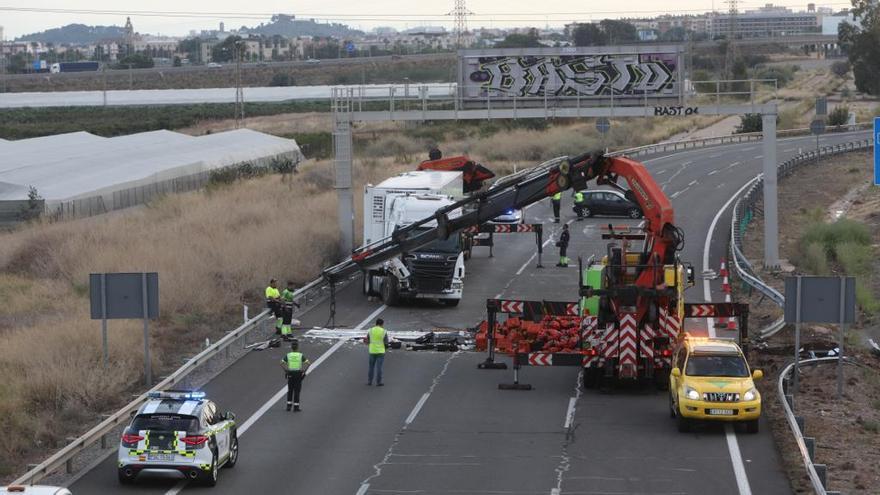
[
  {"x": 731, "y": 322},
  {"x": 723, "y": 272}
]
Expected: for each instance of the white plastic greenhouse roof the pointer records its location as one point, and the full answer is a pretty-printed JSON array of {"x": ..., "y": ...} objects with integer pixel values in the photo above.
[{"x": 78, "y": 165}]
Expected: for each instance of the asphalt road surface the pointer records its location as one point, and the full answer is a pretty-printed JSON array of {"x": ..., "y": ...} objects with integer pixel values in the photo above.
[{"x": 441, "y": 426}]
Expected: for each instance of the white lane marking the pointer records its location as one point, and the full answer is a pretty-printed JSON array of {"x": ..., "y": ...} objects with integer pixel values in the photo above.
[
  {"x": 719, "y": 186},
  {"x": 677, "y": 193},
  {"x": 713, "y": 172},
  {"x": 569, "y": 414},
  {"x": 281, "y": 393},
  {"x": 707, "y": 287},
  {"x": 377, "y": 468},
  {"x": 759, "y": 157},
  {"x": 661, "y": 172},
  {"x": 750, "y": 148},
  {"x": 788, "y": 150},
  {"x": 716, "y": 155},
  {"x": 415, "y": 411},
  {"x": 687, "y": 163},
  {"x": 739, "y": 470},
  {"x": 692, "y": 183},
  {"x": 733, "y": 164}
]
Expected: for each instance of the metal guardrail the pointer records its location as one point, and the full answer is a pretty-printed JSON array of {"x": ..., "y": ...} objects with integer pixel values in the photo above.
[
  {"x": 61, "y": 458},
  {"x": 816, "y": 472},
  {"x": 743, "y": 211},
  {"x": 672, "y": 146}
]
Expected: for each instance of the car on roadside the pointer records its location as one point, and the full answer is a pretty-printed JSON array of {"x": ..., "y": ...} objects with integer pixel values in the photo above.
[
  {"x": 181, "y": 432},
  {"x": 34, "y": 490},
  {"x": 711, "y": 381},
  {"x": 609, "y": 203},
  {"x": 214, "y": 65},
  {"x": 511, "y": 216},
  {"x": 313, "y": 61}
]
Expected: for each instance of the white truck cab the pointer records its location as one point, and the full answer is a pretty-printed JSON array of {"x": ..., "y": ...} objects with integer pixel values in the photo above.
[{"x": 434, "y": 271}]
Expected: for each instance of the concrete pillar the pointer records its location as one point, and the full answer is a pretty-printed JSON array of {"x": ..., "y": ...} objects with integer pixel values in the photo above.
[
  {"x": 342, "y": 165},
  {"x": 771, "y": 218}
]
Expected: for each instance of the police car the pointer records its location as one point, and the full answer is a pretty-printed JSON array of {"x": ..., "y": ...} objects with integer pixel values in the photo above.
[{"x": 178, "y": 431}]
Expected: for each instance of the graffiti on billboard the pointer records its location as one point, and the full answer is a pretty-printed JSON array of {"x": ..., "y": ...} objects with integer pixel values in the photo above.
[{"x": 571, "y": 75}]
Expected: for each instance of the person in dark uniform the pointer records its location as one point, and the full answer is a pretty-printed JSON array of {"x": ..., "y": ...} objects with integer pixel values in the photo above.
[
  {"x": 562, "y": 244},
  {"x": 295, "y": 366}
]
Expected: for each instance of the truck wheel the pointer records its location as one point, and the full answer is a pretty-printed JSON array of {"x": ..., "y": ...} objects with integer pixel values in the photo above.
[
  {"x": 390, "y": 294},
  {"x": 450, "y": 302},
  {"x": 752, "y": 426}
]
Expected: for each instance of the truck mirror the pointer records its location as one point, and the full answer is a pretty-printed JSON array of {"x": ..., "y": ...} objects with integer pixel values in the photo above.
[
  {"x": 757, "y": 374},
  {"x": 691, "y": 277}
]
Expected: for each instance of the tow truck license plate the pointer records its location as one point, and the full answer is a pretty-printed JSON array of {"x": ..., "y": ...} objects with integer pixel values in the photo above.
[
  {"x": 160, "y": 457},
  {"x": 721, "y": 412}
]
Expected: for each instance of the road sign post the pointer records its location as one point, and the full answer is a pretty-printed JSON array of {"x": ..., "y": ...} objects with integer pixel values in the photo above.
[
  {"x": 125, "y": 296},
  {"x": 877, "y": 151}
]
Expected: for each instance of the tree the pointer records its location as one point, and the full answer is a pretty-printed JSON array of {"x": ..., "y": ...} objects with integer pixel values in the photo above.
[
  {"x": 135, "y": 61},
  {"x": 677, "y": 33},
  {"x": 750, "y": 122},
  {"x": 862, "y": 45},
  {"x": 177, "y": 62},
  {"x": 517, "y": 40},
  {"x": 588, "y": 35},
  {"x": 225, "y": 51},
  {"x": 619, "y": 32},
  {"x": 840, "y": 69}
]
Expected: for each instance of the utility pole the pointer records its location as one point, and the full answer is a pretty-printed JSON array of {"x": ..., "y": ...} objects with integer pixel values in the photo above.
[
  {"x": 239, "y": 89},
  {"x": 460, "y": 13},
  {"x": 732, "y": 24}
]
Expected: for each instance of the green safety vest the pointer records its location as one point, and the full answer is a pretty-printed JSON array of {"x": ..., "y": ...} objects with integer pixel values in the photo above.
[
  {"x": 557, "y": 196},
  {"x": 287, "y": 295},
  {"x": 377, "y": 340},
  {"x": 578, "y": 197},
  {"x": 294, "y": 361}
]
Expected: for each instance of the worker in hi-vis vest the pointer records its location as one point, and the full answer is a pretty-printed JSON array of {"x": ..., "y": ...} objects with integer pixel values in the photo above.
[
  {"x": 287, "y": 304},
  {"x": 295, "y": 366},
  {"x": 273, "y": 302},
  {"x": 556, "y": 201},
  {"x": 377, "y": 340},
  {"x": 579, "y": 204}
]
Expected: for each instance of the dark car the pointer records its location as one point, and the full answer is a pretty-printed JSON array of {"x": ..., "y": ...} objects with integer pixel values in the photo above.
[{"x": 609, "y": 203}]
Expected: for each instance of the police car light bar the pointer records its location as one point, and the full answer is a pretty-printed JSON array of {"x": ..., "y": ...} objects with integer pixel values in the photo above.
[{"x": 177, "y": 394}]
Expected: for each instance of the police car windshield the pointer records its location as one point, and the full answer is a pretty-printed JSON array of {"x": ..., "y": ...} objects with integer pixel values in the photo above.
[
  {"x": 165, "y": 422},
  {"x": 716, "y": 365}
]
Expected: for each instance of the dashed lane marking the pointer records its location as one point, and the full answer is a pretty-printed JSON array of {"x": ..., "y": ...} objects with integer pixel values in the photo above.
[{"x": 281, "y": 393}]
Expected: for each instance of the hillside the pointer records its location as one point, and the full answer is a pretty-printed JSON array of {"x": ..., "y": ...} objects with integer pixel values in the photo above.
[
  {"x": 75, "y": 33},
  {"x": 289, "y": 26}
]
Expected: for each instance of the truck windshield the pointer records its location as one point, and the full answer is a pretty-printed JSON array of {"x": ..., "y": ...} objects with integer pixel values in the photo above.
[
  {"x": 451, "y": 245},
  {"x": 716, "y": 365}
]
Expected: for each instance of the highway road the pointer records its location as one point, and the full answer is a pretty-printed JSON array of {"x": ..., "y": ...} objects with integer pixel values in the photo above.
[
  {"x": 441, "y": 426},
  {"x": 206, "y": 95}
]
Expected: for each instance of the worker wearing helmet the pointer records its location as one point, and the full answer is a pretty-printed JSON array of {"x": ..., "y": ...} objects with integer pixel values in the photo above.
[{"x": 295, "y": 367}]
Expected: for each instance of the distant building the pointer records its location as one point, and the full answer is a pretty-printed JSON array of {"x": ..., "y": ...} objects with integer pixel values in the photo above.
[
  {"x": 831, "y": 23},
  {"x": 770, "y": 21}
]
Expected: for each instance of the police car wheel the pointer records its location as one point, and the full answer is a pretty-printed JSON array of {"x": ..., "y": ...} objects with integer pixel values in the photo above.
[
  {"x": 125, "y": 479},
  {"x": 635, "y": 213},
  {"x": 233, "y": 453},
  {"x": 210, "y": 477},
  {"x": 586, "y": 212}
]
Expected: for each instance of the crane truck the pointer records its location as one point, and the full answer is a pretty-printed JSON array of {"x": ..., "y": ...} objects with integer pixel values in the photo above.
[{"x": 632, "y": 301}]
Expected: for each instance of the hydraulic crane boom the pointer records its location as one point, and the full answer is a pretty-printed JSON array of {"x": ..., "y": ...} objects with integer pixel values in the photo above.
[{"x": 520, "y": 190}]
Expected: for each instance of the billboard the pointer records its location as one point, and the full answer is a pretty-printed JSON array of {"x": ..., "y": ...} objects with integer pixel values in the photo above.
[{"x": 571, "y": 72}]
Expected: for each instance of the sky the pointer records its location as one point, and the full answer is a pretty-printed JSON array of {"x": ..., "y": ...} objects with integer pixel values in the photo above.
[{"x": 361, "y": 15}]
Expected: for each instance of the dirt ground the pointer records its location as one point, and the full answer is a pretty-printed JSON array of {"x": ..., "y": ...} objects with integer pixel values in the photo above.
[{"x": 846, "y": 432}]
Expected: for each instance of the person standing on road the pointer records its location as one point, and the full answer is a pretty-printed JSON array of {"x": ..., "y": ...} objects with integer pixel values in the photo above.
[
  {"x": 287, "y": 304},
  {"x": 556, "y": 201},
  {"x": 377, "y": 340},
  {"x": 273, "y": 302},
  {"x": 579, "y": 204},
  {"x": 562, "y": 244},
  {"x": 295, "y": 366}
]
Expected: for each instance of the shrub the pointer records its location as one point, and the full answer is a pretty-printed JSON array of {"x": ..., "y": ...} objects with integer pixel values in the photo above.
[
  {"x": 814, "y": 259},
  {"x": 281, "y": 79},
  {"x": 315, "y": 145},
  {"x": 839, "y": 116},
  {"x": 840, "y": 69},
  {"x": 750, "y": 122},
  {"x": 829, "y": 235}
]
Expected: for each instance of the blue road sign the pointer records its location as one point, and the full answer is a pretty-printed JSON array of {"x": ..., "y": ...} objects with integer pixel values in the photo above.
[
  {"x": 37, "y": 65},
  {"x": 349, "y": 47},
  {"x": 877, "y": 151}
]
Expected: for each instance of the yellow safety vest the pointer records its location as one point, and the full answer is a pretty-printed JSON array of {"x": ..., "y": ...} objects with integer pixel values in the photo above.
[
  {"x": 377, "y": 340},
  {"x": 294, "y": 361},
  {"x": 272, "y": 292},
  {"x": 578, "y": 197},
  {"x": 557, "y": 196}
]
